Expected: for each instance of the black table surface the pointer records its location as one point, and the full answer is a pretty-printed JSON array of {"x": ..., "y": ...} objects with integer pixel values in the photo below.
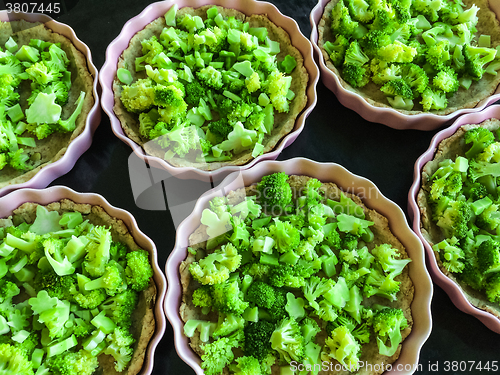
[{"x": 332, "y": 133}]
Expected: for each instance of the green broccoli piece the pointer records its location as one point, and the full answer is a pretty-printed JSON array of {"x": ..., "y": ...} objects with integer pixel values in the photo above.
[
  {"x": 215, "y": 267},
  {"x": 433, "y": 99},
  {"x": 87, "y": 299},
  {"x": 336, "y": 50},
  {"x": 219, "y": 353},
  {"x": 202, "y": 297},
  {"x": 139, "y": 96},
  {"x": 374, "y": 40},
  {"x": 378, "y": 283},
  {"x": 170, "y": 99},
  {"x": 386, "y": 255},
  {"x": 261, "y": 294},
  {"x": 120, "y": 347},
  {"x": 288, "y": 341},
  {"x": 342, "y": 346},
  {"x": 81, "y": 362},
  {"x": 342, "y": 22},
  {"x": 210, "y": 77},
  {"x": 247, "y": 365},
  {"x": 355, "y": 75},
  {"x": 354, "y": 55},
  {"x": 120, "y": 307},
  {"x": 275, "y": 192},
  {"x": 138, "y": 270},
  {"x": 98, "y": 254},
  {"x": 258, "y": 338},
  {"x": 492, "y": 287},
  {"x": 360, "y": 10},
  {"x": 290, "y": 276},
  {"x": 112, "y": 280},
  {"x": 220, "y": 128},
  {"x": 285, "y": 235},
  {"x": 151, "y": 48},
  {"x": 488, "y": 256},
  {"x": 398, "y": 87},
  {"x": 446, "y": 80},
  {"x": 14, "y": 360},
  {"x": 227, "y": 298},
  {"x": 388, "y": 324},
  {"x": 40, "y": 73},
  {"x": 397, "y": 52},
  {"x": 452, "y": 255},
  {"x": 476, "y": 58},
  {"x": 455, "y": 218},
  {"x": 480, "y": 138},
  {"x": 194, "y": 92}
]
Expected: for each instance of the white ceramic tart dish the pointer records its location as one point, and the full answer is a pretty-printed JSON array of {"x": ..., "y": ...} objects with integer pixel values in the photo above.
[
  {"x": 148, "y": 320},
  {"x": 287, "y": 125},
  {"x": 372, "y": 105},
  {"x": 59, "y": 151},
  {"x": 448, "y": 144},
  {"x": 177, "y": 304}
]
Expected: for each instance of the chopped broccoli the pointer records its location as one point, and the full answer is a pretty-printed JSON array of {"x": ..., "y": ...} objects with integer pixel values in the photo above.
[
  {"x": 258, "y": 338},
  {"x": 387, "y": 324},
  {"x": 138, "y": 271},
  {"x": 288, "y": 341}
]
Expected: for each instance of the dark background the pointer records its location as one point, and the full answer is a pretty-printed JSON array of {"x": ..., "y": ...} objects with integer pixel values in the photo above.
[{"x": 332, "y": 133}]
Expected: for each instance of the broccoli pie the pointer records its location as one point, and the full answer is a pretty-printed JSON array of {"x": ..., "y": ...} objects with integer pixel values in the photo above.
[
  {"x": 415, "y": 56},
  {"x": 321, "y": 286},
  {"x": 46, "y": 94},
  {"x": 209, "y": 87}
]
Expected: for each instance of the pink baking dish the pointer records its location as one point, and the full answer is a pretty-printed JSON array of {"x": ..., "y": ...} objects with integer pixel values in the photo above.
[
  {"x": 449, "y": 286},
  {"x": 328, "y": 172},
  {"x": 155, "y": 10},
  {"x": 386, "y": 116},
  {"x": 81, "y": 143},
  {"x": 13, "y": 200}
]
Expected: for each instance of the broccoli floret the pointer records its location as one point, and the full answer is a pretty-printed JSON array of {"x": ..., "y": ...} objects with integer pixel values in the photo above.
[
  {"x": 488, "y": 256},
  {"x": 454, "y": 221},
  {"x": 112, "y": 280},
  {"x": 288, "y": 341},
  {"x": 342, "y": 346},
  {"x": 433, "y": 99},
  {"x": 227, "y": 298},
  {"x": 480, "y": 170},
  {"x": 378, "y": 283},
  {"x": 151, "y": 48},
  {"x": 355, "y": 75},
  {"x": 452, "y": 255},
  {"x": 342, "y": 22},
  {"x": 492, "y": 287},
  {"x": 290, "y": 276},
  {"x": 40, "y": 73},
  {"x": 360, "y": 10},
  {"x": 470, "y": 273},
  {"x": 429, "y": 8},
  {"x": 138, "y": 270},
  {"x": 210, "y": 77},
  {"x": 384, "y": 72},
  {"x": 316, "y": 287},
  {"x": 336, "y": 50},
  {"x": 139, "y": 96},
  {"x": 98, "y": 251},
  {"x": 56, "y": 286},
  {"x": 247, "y": 365},
  {"x": 215, "y": 267},
  {"x": 275, "y": 192},
  {"x": 386, "y": 255},
  {"x": 397, "y": 87},
  {"x": 81, "y": 362},
  {"x": 286, "y": 236},
  {"x": 120, "y": 347},
  {"x": 170, "y": 99},
  {"x": 476, "y": 58},
  {"x": 489, "y": 219},
  {"x": 387, "y": 324},
  {"x": 202, "y": 297},
  {"x": 438, "y": 55},
  {"x": 480, "y": 138},
  {"x": 262, "y": 294},
  {"x": 215, "y": 38},
  {"x": 258, "y": 338},
  {"x": 397, "y": 52},
  {"x": 120, "y": 307},
  {"x": 194, "y": 92},
  {"x": 218, "y": 354},
  {"x": 14, "y": 360},
  {"x": 449, "y": 185},
  {"x": 87, "y": 299},
  {"x": 355, "y": 55},
  {"x": 60, "y": 90},
  {"x": 446, "y": 80},
  {"x": 220, "y": 128},
  {"x": 277, "y": 85},
  {"x": 374, "y": 40}
]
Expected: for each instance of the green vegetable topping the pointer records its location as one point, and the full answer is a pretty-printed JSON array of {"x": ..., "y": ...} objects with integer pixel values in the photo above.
[
  {"x": 270, "y": 279},
  {"x": 218, "y": 77},
  {"x": 67, "y": 295}
]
